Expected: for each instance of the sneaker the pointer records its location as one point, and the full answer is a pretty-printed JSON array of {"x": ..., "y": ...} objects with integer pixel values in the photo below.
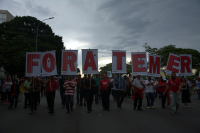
[
  {"x": 148, "y": 107},
  {"x": 140, "y": 109},
  {"x": 152, "y": 107},
  {"x": 119, "y": 109},
  {"x": 4, "y": 103},
  {"x": 173, "y": 113},
  {"x": 84, "y": 104},
  {"x": 7, "y": 103},
  {"x": 80, "y": 104},
  {"x": 88, "y": 111}
]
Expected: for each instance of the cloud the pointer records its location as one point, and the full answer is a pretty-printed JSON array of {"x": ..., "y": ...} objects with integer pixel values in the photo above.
[{"x": 116, "y": 24}]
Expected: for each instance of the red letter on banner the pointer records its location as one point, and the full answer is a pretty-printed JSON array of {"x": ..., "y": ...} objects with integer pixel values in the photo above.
[
  {"x": 154, "y": 65},
  {"x": 30, "y": 61},
  {"x": 119, "y": 59},
  {"x": 185, "y": 64},
  {"x": 171, "y": 63},
  {"x": 52, "y": 61},
  {"x": 89, "y": 57},
  {"x": 137, "y": 62},
  {"x": 69, "y": 61}
]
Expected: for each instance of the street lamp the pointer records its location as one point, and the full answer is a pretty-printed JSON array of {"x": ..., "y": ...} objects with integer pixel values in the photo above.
[{"x": 37, "y": 31}]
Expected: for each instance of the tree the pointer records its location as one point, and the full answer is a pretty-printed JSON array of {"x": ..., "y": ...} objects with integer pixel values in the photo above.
[
  {"x": 166, "y": 50},
  {"x": 25, "y": 28},
  {"x": 14, "y": 55}
]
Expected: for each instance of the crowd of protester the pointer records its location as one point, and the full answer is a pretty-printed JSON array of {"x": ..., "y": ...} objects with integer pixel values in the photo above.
[{"x": 75, "y": 90}]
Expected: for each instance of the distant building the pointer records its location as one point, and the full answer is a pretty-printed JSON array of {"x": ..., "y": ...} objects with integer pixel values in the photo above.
[{"x": 4, "y": 17}]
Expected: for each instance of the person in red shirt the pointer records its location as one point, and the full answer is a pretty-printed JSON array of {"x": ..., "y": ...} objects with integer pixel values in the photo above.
[
  {"x": 103, "y": 86},
  {"x": 162, "y": 85},
  {"x": 174, "y": 84},
  {"x": 51, "y": 87}
]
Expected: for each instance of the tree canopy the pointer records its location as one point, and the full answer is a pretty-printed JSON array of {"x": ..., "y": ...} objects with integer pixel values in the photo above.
[{"x": 18, "y": 36}]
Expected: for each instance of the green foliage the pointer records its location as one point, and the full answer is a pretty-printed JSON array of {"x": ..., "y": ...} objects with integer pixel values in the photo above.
[{"x": 18, "y": 36}]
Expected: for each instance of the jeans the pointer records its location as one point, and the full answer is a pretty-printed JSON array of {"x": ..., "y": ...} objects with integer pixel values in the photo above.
[
  {"x": 96, "y": 97},
  {"x": 174, "y": 100},
  {"x": 62, "y": 92},
  {"x": 42, "y": 91},
  {"x": 198, "y": 93},
  {"x": 137, "y": 97},
  {"x": 164, "y": 100},
  {"x": 105, "y": 99},
  {"x": 69, "y": 100},
  {"x": 89, "y": 99},
  {"x": 50, "y": 100},
  {"x": 34, "y": 99},
  {"x": 27, "y": 98},
  {"x": 150, "y": 99},
  {"x": 120, "y": 97},
  {"x": 12, "y": 101}
]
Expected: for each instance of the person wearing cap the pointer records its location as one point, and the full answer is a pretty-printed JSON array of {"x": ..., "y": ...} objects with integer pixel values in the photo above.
[
  {"x": 103, "y": 86},
  {"x": 27, "y": 93},
  {"x": 174, "y": 84},
  {"x": 89, "y": 87},
  {"x": 197, "y": 83},
  {"x": 34, "y": 89},
  {"x": 149, "y": 92},
  {"x": 51, "y": 87},
  {"x": 7, "y": 86},
  {"x": 162, "y": 85},
  {"x": 69, "y": 87},
  {"x": 97, "y": 80},
  {"x": 138, "y": 95},
  {"x": 120, "y": 89},
  {"x": 14, "y": 93}
]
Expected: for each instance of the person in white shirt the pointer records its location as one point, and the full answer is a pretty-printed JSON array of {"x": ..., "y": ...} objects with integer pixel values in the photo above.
[
  {"x": 150, "y": 92},
  {"x": 138, "y": 95}
]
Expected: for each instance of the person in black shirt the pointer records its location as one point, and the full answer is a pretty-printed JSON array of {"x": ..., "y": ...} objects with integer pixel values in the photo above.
[
  {"x": 82, "y": 90},
  {"x": 35, "y": 94},
  {"x": 89, "y": 87},
  {"x": 62, "y": 91}
]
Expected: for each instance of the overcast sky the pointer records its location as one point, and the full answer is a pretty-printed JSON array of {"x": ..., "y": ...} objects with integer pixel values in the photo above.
[{"x": 116, "y": 24}]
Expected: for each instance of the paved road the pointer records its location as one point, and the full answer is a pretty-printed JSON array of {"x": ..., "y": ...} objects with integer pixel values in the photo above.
[{"x": 127, "y": 120}]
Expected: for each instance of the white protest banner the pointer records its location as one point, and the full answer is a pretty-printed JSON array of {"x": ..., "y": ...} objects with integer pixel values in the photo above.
[
  {"x": 48, "y": 60},
  {"x": 33, "y": 64},
  {"x": 186, "y": 65},
  {"x": 109, "y": 74},
  {"x": 173, "y": 64},
  {"x": 90, "y": 61},
  {"x": 69, "y": 62},
  {"x": 154, "y": 65},
  {"x": 139, "y": 63},
  {"x": 119, "y": 61}
]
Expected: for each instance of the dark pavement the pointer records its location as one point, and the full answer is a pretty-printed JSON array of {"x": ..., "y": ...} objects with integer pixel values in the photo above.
[{"x": 127, "y": 120}]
